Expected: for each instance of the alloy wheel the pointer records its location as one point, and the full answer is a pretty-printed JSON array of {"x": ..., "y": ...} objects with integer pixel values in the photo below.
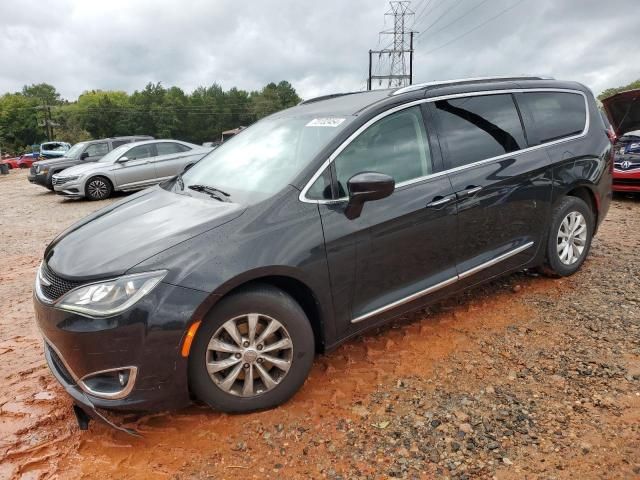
[
  {"x": 249, "y": 355},
  {"x": 97, "y": 189},
  {"x": 572, "y": 238}
]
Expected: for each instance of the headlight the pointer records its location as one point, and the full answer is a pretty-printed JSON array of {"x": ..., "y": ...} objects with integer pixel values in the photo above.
[
  {"x": 66, "y": 179},
  {"x": 109, "y": 298}
]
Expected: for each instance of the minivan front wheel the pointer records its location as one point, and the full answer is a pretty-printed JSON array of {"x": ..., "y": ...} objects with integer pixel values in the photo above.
[
  {"x": 253, "y": 352},
  {"x": 572, "y": 224},
  {"x": 98, "y": 188}
]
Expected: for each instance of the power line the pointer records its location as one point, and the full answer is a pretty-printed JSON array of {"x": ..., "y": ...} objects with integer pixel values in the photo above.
[
  {"x": 424, "y": 11},
  {"x": 458, "y": 18},
  {"x": 439, "y": 18},
  {"x": 502, "y": 12}
]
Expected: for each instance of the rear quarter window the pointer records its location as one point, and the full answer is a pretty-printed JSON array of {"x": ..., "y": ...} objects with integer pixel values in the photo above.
[{"x": 553, "y": 115}]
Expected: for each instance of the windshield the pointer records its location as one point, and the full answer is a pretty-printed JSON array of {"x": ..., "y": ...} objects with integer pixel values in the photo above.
[
  {"x": 114, "y": 154},
  {"x": 75, "y": 150},
  {"x": 262, "y": 159}
]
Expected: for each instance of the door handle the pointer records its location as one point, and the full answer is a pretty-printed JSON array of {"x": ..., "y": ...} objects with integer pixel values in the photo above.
[
  {"x": 440, "y": 200},
  {"x": 468, "y": 192}
]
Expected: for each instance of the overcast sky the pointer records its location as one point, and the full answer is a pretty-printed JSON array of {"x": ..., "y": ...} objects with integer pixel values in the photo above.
[{"x": 319, "y": 46}]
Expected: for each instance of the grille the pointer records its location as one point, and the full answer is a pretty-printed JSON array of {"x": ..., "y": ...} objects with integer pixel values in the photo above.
[
  {"x": 627, "y": 181},
  {"x": 59, "y": 181},
  {"x": 632, "y": 166},
  {"x": 32, "y": 170},
  {"x": 59, "y": 286},
  {"x": 58, "y": 364}
]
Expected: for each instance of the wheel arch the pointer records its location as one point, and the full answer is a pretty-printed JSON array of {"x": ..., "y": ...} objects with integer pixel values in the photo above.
[
  {"x": 586, "y": 193},
  {"x": 99, "y": 175},
  {"x": 284, "y": 280}
]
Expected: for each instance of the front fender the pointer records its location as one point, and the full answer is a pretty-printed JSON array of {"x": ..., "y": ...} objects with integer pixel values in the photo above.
[{"x": 281, "y": 237}]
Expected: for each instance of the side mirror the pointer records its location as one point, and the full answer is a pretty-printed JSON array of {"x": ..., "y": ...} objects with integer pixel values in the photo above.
[
  {"x": 365, "y": 187},
  {"x": 84, "y": 155},
  {"x": 123, "y": 160}
]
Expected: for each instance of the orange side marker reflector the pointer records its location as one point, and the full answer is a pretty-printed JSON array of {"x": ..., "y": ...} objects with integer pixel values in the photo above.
[{"x": 188, "y": 338}]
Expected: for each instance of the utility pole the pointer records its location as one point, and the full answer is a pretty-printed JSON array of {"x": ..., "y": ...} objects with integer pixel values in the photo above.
[
  {"x": 397, "y": 75},
  {"x": 47, "y": 123}
]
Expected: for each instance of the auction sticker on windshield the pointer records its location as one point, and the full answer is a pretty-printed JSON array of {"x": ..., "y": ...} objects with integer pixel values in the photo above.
[{"x": 325, "y": 122}]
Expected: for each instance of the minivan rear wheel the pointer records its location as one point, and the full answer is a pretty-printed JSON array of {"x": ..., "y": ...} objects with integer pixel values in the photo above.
[
  {"x": 572, "y": 224},
  {"x": 98, "y": 188},
  {"x": 253, "y": 351}
]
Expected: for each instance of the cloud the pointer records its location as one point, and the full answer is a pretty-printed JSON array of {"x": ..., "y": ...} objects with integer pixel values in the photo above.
[{"x": 320, "y": 47}]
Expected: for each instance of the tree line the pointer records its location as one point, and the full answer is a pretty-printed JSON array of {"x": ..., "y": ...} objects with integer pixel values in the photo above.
[
  {"x": 38, "y": 113},
  {"x": 612, "y": 91}
]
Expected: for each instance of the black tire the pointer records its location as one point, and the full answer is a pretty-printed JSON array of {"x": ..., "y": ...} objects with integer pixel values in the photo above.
[
  {"x": 270, "y": 302},
  {"x": 98, "y": 188},
  {"x": 23, "y": 165},
  {"x": 554, "y": 265}
]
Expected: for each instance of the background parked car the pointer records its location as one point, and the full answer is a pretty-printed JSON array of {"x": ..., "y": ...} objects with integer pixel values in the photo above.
[
  {"x": 84, "y": 152},
  {"x": 623, "y": 109},
  {"x": 12, "y": 162},
  {"x": 22, "y": 161},
  {"x": 129, "y": 167},
  {"x": 54, "y": 149}
]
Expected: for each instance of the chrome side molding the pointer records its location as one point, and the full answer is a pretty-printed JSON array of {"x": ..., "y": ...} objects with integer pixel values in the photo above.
[{"x": 438, "y": 286}]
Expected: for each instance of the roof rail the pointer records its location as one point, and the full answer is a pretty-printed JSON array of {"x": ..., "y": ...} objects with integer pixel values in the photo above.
[
  {"x": 325, "y": 97},
  {"x": 419, "y": 86}
]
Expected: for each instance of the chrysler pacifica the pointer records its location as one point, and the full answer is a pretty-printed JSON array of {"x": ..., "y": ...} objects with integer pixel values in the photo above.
[{"x": 312, "y": 225}]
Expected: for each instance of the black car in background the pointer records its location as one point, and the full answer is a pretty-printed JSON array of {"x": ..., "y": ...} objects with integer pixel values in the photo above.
[
  {"x": 312, "y": 225},
  {"x": 42, "y": 172}
]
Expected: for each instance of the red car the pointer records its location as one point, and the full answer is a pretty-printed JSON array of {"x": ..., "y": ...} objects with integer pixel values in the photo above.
[
  {"x": 623, "y": 109},
  {"x": 23, "y": 161}
]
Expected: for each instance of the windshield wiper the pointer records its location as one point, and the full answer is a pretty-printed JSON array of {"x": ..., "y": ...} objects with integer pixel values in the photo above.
[{"x": 212, "y": 191}]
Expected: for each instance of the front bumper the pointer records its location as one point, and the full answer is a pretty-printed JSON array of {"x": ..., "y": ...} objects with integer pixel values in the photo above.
[
  {"x": 41, "y": 178},
  {"x": 148, "y": 336},
  {"x": 72, "y": 189},
  {"x": 626, "y": 180}
]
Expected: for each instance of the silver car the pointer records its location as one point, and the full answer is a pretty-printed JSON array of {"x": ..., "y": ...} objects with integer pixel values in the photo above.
[{"x": 133, "y": 166}]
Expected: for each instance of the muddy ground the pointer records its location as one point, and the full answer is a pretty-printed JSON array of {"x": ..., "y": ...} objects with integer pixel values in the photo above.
[{"x": 527, "y": 377}]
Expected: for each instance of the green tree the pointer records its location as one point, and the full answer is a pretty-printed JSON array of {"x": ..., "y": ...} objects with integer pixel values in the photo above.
[
  {"x": 612, "y": 91},
  {"x": 19, "y": 122},
  {"x": 155, "y": 110},
  {"x": 45, "y": 93},
  {"x": 102, "y": 113}
]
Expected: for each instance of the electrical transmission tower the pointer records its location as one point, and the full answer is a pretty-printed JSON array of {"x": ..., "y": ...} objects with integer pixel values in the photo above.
[{"x": 397, "y": 51}]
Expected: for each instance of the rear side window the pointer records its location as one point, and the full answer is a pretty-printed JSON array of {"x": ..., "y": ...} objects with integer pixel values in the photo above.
[
  {"x": 554, "y": 115},
  {"x": 478, "y": 128},
  {"x": 117, "y": 143},
  {"x": 141, "y": 151}
]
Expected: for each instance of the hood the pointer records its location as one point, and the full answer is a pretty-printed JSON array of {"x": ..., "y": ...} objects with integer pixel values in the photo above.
[
  {"x": 623, "y": 110},
  {"x": 118, "y": 237},
  {"x": 83, "y": 168},
  {"x": 52, "y": 162}
]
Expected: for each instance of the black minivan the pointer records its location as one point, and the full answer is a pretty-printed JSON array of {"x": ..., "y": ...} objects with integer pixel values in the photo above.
[{"x": 312, "y": 225}]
